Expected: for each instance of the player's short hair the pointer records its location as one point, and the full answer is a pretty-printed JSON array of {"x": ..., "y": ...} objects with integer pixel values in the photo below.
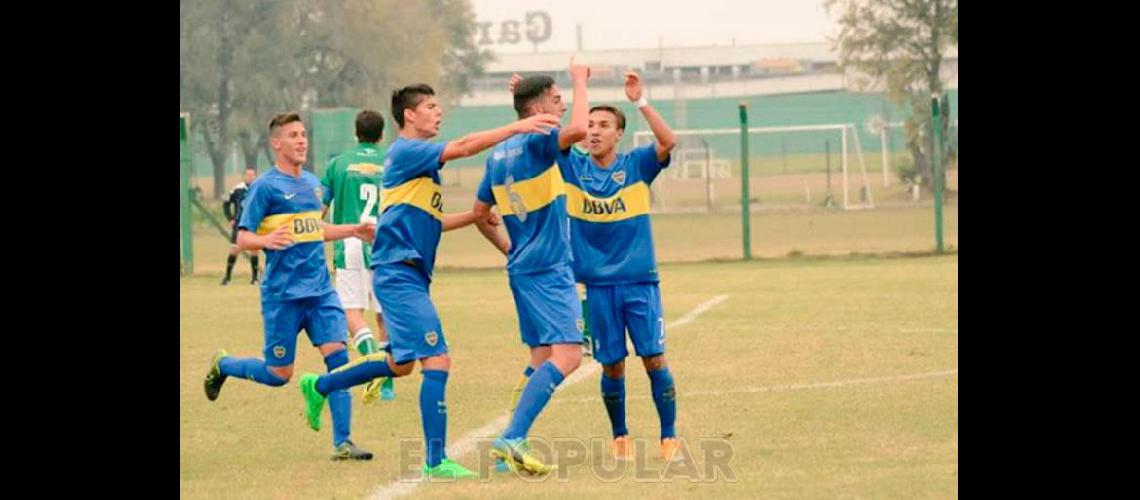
[
  {"x": 251, "y": 167},
  {"x": 369, "y": 126},
  {"x": 528, "y": 90},
  {"x": 616, "y": 112},
  {"x": 408, "y": 98},
  {"x": 282, "y": 119}
]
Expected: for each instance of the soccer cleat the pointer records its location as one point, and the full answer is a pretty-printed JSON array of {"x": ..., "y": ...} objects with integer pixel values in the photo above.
[
  {"x": 371, "y": 391},
  {"x": 517, "y": 455},
  {"x": 669, "y": 447},
  {"x": 225, "y": 281},
  {"x": 501, "y": 465},
  {"x": 314, "y": 401},
  {"x": 448, "y": 470},
  {"x": 214, "y": 377},
  {"x": 378, "y": 388},
  {"x": 349, "y": 451},
  {"x": 253, "y": 281},
  {"x": 623, "y": 448},
  {"x": 388, "y": 390}
]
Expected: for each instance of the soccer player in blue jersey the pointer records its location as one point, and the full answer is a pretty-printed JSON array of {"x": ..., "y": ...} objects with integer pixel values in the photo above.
[
  {"x": 403, "y": 258},
  {"x": 282, "y": 216},
  {"x": 608, "y": 203},
  {"x": 579, "y": 148},
  {"x": 524, "y": 180}
]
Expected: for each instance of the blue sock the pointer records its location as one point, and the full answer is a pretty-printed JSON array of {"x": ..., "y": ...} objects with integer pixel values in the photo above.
[
  {"x": 534, "y": 398},
  {"x": 340, "y": 401},
  {"x": 358, "y": 374},
  {"x": 613, "y": 395},
  {"x": 665, "y": 397},
  {"x": 433, "y": 413},
  {"x": 251, "y": 369}
]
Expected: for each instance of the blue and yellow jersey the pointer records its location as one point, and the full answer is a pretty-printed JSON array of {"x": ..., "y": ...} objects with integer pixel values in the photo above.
[
  {"x": 278, "y": 199},
  {"x": 611, "y": 236},
  {"x": 524, "y": 180},
  {"x": 411, "y": 205}
]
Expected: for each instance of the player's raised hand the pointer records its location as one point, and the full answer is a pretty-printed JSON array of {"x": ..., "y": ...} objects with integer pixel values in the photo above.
[
  {"x": 578, "y": 71},
  {"x": 279, "y": 239},
  {"x": 540, "y": 123},
  {"x": 515, "y": 79},
  {"x": 632, "y": 86}
]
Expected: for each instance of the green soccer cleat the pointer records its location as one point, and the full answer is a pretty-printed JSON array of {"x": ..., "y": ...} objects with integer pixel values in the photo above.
[
  {"x": 448, "y": 470},
  {"x": 214, "y": 377},
  {"x": 314, "y": 401}
]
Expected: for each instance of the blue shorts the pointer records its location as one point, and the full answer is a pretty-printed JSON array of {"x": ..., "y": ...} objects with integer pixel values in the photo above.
[
  {"x": 615, "y": 309},
  {"x": 414, "y": 330},
  {"x": 548, "y": 307},
  {"x": 322, "y": 318}
]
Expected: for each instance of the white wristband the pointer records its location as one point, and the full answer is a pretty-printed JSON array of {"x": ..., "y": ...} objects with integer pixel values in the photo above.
[{"x": 643, "y": 102}]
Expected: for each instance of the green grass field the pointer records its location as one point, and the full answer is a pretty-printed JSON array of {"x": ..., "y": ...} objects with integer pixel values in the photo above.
[
  {"x": 696, "y": 237},
  {"x": 825, "y": 378}
]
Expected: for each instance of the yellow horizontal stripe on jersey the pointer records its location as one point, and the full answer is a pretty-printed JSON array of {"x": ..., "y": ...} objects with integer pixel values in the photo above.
[
  {"x": 533, "y": 193},
  {"x": 306, "y": 226},
  {"x": 366, "y": 168},
  {"x": 420, "y": 192},
  {"x": 630, "y": 202}
]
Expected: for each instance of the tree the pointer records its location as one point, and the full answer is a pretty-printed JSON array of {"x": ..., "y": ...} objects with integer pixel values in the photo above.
[
  {"x": 241, "y": 61},
  {"x": 901, "y": 44},
  {"x": 229, "y": 52},
  {"x": 463, "y": 60}
]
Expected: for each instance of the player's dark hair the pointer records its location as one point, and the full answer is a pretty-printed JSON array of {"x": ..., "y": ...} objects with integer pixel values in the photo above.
[
  {"x": 528, "y": 90},
  {"x": 408, "y": 98},
  {"x": 369, "y": 126},
  {"x": 283, "y": 119},
  {"x": 616, "y": 112}
]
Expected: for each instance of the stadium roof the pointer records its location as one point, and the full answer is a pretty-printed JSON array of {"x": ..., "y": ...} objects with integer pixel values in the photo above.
[{"x": 670, "y": 57}]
